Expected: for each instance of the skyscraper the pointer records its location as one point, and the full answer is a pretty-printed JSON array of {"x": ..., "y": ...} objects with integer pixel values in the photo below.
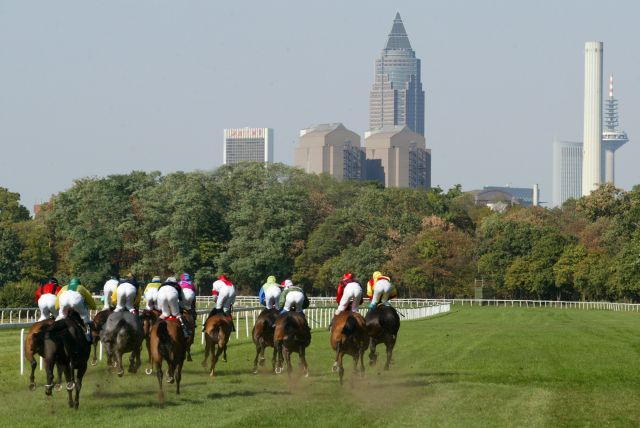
[
  {"x": 612, "y": 139},
  {"x": 591, "y": 157},
  {"x": 396, "y": 97},
  {"x": 248, "y": 144},
  {"x": 567, "y": 171},
  {"x": 332, "y": 149}
]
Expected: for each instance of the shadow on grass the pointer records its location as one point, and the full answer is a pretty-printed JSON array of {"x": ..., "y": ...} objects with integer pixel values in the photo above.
[{"x": 217, "y": 395}]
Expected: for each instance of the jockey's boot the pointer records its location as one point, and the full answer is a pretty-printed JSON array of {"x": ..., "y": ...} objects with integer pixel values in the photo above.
[{"x": 185, "y": 330}]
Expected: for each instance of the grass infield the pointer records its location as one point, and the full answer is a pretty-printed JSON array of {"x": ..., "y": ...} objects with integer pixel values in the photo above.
[{"x": 471, "y": 367}]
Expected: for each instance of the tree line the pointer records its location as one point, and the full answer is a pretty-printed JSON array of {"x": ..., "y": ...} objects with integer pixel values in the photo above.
[{"x": 251, "y": 220}]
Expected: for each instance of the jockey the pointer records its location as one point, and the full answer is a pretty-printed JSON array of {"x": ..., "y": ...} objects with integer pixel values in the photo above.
[
  {"x": 127, "y": 295},
  {"x": 224, "y": 295},
  {"x": 380, "y": 289},
  {"x": 170, "y": 298},
  {"x": 151, "y": 293},
  {"x": 292, "y": 295},
  {"x": 75, "y": 296},
  {"x": 46, "y": 299},
  {"x": 348, "y": 291},
  {"x": 269, "y": 293},
  {"x": 189, "y": 292},
  {"x": 108, "y": 290}
]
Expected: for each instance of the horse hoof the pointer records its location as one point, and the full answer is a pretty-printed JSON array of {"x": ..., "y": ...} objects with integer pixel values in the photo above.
[
  {"x": 278, "y": 370},
  {"x": 306, "y": 374},
  {"x": 70, "y": 386},
  {"x": 170, "y": 379},
  {"x": 224, "y": 360},
  {"x": 189, "y": 358},
  {"x": 32, "y": 386},
  {"x": 94, "y": 362},
  {"x": 121, "y": 373},
  {"x": 254, "y": 371},
  {"x": 335, "y": 367},
  {"x": 148, "y": 371},
  {"x": 57, "y": 387}
]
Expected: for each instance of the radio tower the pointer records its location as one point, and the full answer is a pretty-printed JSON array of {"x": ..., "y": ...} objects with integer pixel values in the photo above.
[{"x": 612, "y": 139}]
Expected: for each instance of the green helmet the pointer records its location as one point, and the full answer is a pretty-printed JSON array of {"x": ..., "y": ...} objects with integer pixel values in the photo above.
[{"x": 73, "y": 284}]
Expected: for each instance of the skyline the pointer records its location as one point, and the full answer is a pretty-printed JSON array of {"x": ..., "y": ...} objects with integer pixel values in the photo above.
[{"x": 156, "y": 96}]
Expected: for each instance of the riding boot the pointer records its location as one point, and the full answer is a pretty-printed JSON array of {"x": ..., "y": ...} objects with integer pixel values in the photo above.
[{"x": 185, "y": 330}]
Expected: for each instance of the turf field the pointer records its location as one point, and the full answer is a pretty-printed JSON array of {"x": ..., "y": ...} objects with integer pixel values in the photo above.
[{"x": 471, "y": 367}]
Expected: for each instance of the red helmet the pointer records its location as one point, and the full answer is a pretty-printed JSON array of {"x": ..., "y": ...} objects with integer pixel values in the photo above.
[{"x": 347, "y": 276}]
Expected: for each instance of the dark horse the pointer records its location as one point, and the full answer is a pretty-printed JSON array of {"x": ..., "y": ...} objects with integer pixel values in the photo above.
[
  {"x": 66, "y": 345},
  {"x": 148, "y": 318},
  {"x": 123, "y": 333},
  {"x": 292, "y": 334},
  {"x": 348, "y": 336},
  {"x": 383, "y": 324},
  {"x": 99, "y": 321},
  {"x": 189, "y": 317},
  {"x": 217, "y": 331},
  {"x": 263, "y": 336},
  {"x": 169, "y": 344},
  {"x": 34, "y": 344}
]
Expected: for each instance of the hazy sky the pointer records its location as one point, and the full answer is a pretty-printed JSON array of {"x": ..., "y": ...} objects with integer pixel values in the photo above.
[{"x": 92, "y": 88}]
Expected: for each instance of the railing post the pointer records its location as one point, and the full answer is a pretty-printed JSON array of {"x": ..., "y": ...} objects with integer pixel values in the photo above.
[{"x": 21, "y": 351}]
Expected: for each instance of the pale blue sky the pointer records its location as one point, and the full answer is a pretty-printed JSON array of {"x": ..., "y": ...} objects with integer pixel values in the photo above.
[{"x": 91, "y": 88}]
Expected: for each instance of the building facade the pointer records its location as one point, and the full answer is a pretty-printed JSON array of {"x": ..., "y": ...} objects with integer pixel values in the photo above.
[
  {"x": 247, "y": 145},
  {"x": 397, "y": 157},
  {"x": 592, "y": 142},
  {"x": 396, "y": 97},
  {"x": 567, "y": 171},
  {"x": 330, "y": 148}
]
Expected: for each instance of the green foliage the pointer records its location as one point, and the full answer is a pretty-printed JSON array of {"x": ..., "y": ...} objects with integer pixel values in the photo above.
[
  {"x": 10, "y": 209},
  {"x": 18, "y": 294},
  {"x": 10, "y": 248}
]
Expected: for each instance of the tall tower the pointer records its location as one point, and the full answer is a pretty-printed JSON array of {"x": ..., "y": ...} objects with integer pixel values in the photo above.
[
  {"x": 612, "y": 139},
  {"x": 591, "y": 160},
  {"x": 396, "y": 97}
]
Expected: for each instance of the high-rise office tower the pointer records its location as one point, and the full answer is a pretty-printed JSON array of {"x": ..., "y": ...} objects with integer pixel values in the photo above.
[
  {"x": 612, "y": 139},
  {"x": 397, "y": 157},
  {"x": 332, "y": 149},
  {"x": 396, "y": 97},
  {"x": 567, "y": 171},
  {"x": 592, "y": 142},
  {"x": 248, "y": 144}
]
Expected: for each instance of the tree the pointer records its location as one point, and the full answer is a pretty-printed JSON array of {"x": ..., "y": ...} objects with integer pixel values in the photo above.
[
  {"x": 10, "y": 249},
  {"x": 10, "y": 209}
]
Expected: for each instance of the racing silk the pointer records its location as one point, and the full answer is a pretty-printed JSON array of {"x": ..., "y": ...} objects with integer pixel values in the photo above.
[
  {"x": 151, "y": 285},
  {"x": 287, "y": 290},
  {"x": 86, "y": 295},
  {"x": 271, "y": 282},
  {"x": 48, "y": 288},
  {"x": 219, "y": 283},
  {"x": 341, "y": 286},
  {"x": 114, "y": 295},
  {"x": 176, "y": 286},
  {"x": 187, "y": 284},
  {"x": 372, "y": 283}
]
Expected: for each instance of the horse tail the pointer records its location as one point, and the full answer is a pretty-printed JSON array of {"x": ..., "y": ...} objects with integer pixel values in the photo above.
[
  {"x": 164, "y": 341},
  {"x": 350, "y": 326}
]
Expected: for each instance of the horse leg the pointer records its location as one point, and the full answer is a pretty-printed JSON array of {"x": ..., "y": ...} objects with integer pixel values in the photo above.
[
  {"x": 373, "y": 357},
  {"x": 158, "y": 369},
  {"x": 94, "y": 360},
  {"x": 58, "y": 384},
  {"x": 178, "y": 374},
  {"x": 273, "y": 359},
  {"x": 207, "y": 349},
  {"x": 119, "y": 363},
  {"x": 263, "y": 347},
  {"x": 32, "y": 377},
  {"x": 361, "y": 353},
  {"x": 287, "y": 356},
  {"x": 303, "y": 361},
  {"x": 48, "y": 365},
  {"x": 82, "y": 369},
  {"x": 255, "y": 360},
  {"x": 389, "y": 344},
  {"x": 215, "y": 357},
  {"x": 340, "y": 366},
  {"x": 147, "y": 342},
  {"x": 224, "y": 353},
  {"x": 279, "y": 364},
  {"x": 68, "y": 375},
  {"x": 336, "y": 366},
  {"x": 171, "y": 370}
]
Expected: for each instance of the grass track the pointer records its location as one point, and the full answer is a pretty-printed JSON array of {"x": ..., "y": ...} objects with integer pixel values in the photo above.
[{"x": 472, "y": 367}]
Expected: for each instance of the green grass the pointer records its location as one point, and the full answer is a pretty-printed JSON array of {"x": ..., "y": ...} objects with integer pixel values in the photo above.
[{"x": 472, "y": 367}]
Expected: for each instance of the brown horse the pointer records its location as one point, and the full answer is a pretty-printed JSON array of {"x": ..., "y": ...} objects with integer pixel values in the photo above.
[
  {"x": 189, "y": 318},
  {"x": 383, "y": 324},
  {"x": 349, "y": 336},
  {"x": 168, "y": 343},
  {"x": 148, "y": 318},
  {"x": 292, "y": 334},
  {"x": 96, "y": 327},
  {"x": 263, "y": 336},
  {"x": 34, "y": 344},
  {"x": 217, "y": 331},
  {"x": 66, "y": 345}
]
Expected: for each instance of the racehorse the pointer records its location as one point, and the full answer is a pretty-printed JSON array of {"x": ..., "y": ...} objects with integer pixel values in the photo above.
[
  {"x": 34, "y": 344},
  {"x": 66, "y": 345},
  {"x": 96, "y": 327},
  {"x": 383, "y": 324},
  {"x": 168, "y": 343},
  {"x": 217, "y": 331},
  {"x": 123, "y": 333},
  {"x": 263, "y": 336},
  {"x": 292, "y": 334},
  {"x": 148, "y": 318},
  {"x": 348, "y": 336}
]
